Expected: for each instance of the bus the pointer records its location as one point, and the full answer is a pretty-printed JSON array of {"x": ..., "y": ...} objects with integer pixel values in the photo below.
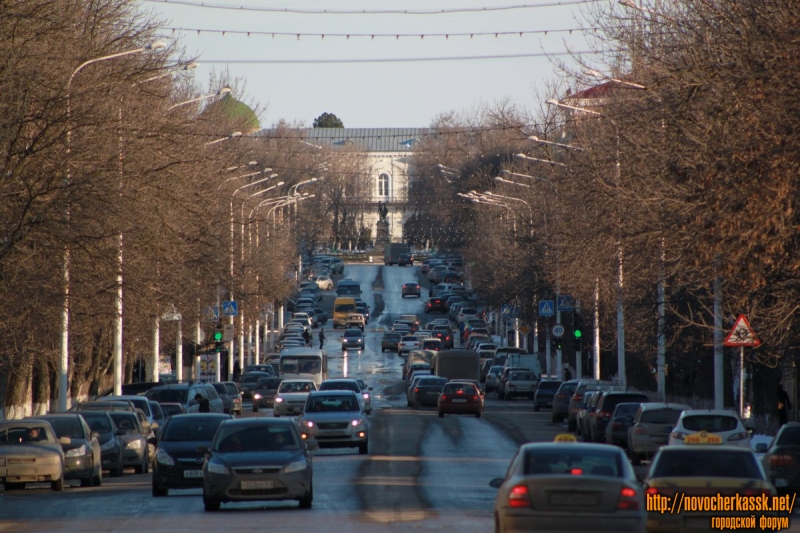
[
  {"x": 342, "y": 307},
  {"x": 304, "y": 363},
  {"x": 457, "y": 364}
]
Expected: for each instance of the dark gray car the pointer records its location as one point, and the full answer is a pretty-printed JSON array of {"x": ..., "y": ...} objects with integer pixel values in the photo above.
[
  {"x": 545, "y": 393},
  {"x": 82, "y": 456},
  {"x": 101, "y": 423}
]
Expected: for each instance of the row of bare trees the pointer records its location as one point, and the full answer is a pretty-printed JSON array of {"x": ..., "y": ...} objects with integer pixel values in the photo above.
[
  {"x": 109, "y": 174},
  {"x": 682, "y": 156}
]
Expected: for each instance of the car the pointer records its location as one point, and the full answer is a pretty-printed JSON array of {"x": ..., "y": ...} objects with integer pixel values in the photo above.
[
  {"x": 411, "y": 289},
  {"x": 135, "y": 448},
  {"x": 352, "y": 338},
  {"x": 780, "y": 459},
  {"x": 81, "y": 447},
  {"x": 411, "y": 325},
  {"x": 30, "y": 453},
  {"x": 520, "y": 383},
  {"x": 460, "y": 398},
  {"x": 100, "y": 422},
  {"x": 248, "y": 382},
  {"x": 335, "y": 419},
  {"x": 575, "y": 400},
  {"x": 185, "y": 393},
  {"x": 724, "y": 424},
  {"x": 362, "y": 308},
  {"x": 425, "y": 391},
  {"x": 264, "y": 392},
  {"x": 621, "y": 421},
  {"x": 706, "y": 469},
  {"x": 493, "y": 378},
  {"x": 601, "y": 416},
  {"x": 139, "y": 402},
  {"x": 421, "y": 358},
  {"x": 432, "y": 344},
  {"x": 178, "y": 464},
  {"x": 414, "y": 319},
  {"x": 444, "y": 334},
  {"x": 651, "y": 427},
  {"x": 435, "y": 305},
  {"x": 235, "y": 469},
  {"x": 543, "y": 397},
  {"x": 569, "y": 486},
  {"x": 390, "y": 340},
  {"x": 351, "y": 384},
  {"x": 408, "y": 343},
  {"x": 322, "y": 316},
  {"x": 230, "y": 396},
  {"x": 590, "y": 399},
  {"x": 325, "y": 283},
  {"x": 561, "y": 399},
  {"x": 365, "y": 393},
  {"x": 258, "y": 368},
  {"x": 501, "y": 382},
  {"x": 291, "y": 396},
  {"x": 355, "y": 320},
  {"x": 405, "y": 260}
]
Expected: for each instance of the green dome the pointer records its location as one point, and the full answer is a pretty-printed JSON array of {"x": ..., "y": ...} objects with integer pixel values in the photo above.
[{"x": 238, "y": 112}]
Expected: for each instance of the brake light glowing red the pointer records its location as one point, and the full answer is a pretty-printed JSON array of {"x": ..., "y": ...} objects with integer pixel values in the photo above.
[
  {"x": 577, "y": 397},
  {"x": 519, "y": 497},
  {"x": 781, "y": 460},
  {"x": 651, "y": 490},
  {"x": 576, "y": 472},
  {"x": 459, "y": 391},
  {"x": 628, "y": 500},
  {"x": 416, "y": 389}
]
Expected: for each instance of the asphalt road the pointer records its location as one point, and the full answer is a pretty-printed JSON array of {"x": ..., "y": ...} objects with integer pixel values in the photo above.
[{"x": 422, "y": 473}]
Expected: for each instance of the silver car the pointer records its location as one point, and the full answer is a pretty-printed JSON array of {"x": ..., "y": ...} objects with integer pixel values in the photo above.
[
  {"x": 291, "y": 396},
  {"x": 30, "y": 453},
  {"x": 255, "y": 459},
  {"x": 334, "y": 419}
]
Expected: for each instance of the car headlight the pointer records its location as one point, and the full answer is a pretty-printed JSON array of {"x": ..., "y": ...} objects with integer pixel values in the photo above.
[
  {"x": 308, "y": 423},
  {"x": 357, "y": 422},
  {"x": 257, "y": 396},
  {"x": 110, "y": 445},
  {"x": 278, "y": 399},
  {"x": 366, "y": 396},
  {"x": 77, "y": 452},
  {"x": 164, "y": 458},
  {"x": 134, "y": 445},
  {"x": 296, "y": 466},
  {"x": 216, "y": 468}
]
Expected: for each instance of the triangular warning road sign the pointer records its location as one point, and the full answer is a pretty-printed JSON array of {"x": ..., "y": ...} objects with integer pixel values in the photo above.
[{"x": 742, "y": 334}]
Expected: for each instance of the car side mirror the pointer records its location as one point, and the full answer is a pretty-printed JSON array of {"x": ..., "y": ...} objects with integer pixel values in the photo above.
[
  {"x": 153, "y": 441},
  {"x": 496, "y": 482},
  {"x": 64, "y": 440},
  {"x": 762, "y": 447}
]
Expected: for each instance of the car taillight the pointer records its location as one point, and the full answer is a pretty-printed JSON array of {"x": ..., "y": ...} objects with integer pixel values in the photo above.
[
  {"x": 628, "y": 500},
  {"x": 447, "y": 337},
  {"x": 476, "y": 398},
  {"x": 677, "y": 435},
  {"x": 757, "y": 492},
  {"x": 604, "y": 414},
  {"x": 519, "y": 497},
  {"x": 442, "y": 397},
  {"x": 651, "y": 490},
  {"x": 416, "y": 389},
  {"x": 577, "y": 397},
  {"x": 576, "y": 472},
  {"x": 781, "y": 460}
]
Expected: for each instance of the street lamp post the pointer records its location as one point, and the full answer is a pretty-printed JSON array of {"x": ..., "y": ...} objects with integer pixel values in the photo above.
[
  {"x": 620, "y": 277},
  {"x": 63, "y": 374},
  {"x": 222, "y": 92}
]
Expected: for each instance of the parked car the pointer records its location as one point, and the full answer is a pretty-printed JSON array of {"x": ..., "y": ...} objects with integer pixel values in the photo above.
[
  {"x": 335, "y": 419},
  {"x": 651, "y": 427},
  {"x": 575, "y": 401},
  {"x": 493, "y": 378},
  {"x": 561, "y": 399},
  {"x": 230, "y": 396},
  {"x": 780, "y": 459},
  {"x": 605, "y": 406},
  {"x": 545, "y": 392},
  {"x": 233, "y": 468},
  {"x": 520, "y": 383},
  {"x": 30, "y": 453},
  {"x": 178, "y": 464},
  {"x": 621, "y": 421},
  {"x": 185, "y": 393},
  {"x": 325, "y": 283},
  {"x": 81, "y": 447}
]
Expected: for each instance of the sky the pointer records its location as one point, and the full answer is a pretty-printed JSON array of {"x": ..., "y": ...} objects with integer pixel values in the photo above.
[{"x": 281, "y": 79}]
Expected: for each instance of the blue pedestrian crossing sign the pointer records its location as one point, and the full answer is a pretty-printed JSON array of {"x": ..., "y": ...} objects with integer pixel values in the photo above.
[
  {"x": 211, "y": 313},
  {"x": 230, "y": 308},
  {"x": 546, "y": 308},
  {"x": 564, "y": 303}
]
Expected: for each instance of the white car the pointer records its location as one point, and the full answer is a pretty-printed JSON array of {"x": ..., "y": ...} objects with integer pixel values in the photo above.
[
  {"x": 408, "y": 343},
  {"x": 292, "y": 395},
  {"x": 325, "y": 283},
  {"x": 724, "y": 424}
]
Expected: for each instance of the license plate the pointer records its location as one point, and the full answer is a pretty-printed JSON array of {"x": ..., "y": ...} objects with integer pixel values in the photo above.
[
  {"x": 193, "y": 473},
  {"x": 459, "y": 401},
  {"x": 333, "y": 433},
  {"x": 571, "y": 498},
  {"x": 250, "y": 485}
]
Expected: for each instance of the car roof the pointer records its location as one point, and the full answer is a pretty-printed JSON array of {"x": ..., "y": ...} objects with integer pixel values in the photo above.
[
  {"x": 713, "y": 412},
  {"x": 338, "y": 380},
  {"x": 338, "y": 392},
  {"x": 649, "y": 406},
  {"x": 578, "y": 446},
  {"x": 257, "y": 421}
]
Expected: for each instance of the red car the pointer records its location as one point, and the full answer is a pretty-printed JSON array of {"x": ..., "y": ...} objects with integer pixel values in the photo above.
[{"x": 460, "y": 399}]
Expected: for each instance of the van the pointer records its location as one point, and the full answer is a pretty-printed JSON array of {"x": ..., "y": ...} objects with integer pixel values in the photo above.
[
  {"x": 348, "y": 287},
  {"x": 342, "y": 307},
  {"x": 392, "y": 252}
]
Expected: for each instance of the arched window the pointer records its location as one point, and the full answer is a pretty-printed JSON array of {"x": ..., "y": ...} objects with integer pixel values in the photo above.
[{"x": 383, "y": 185}]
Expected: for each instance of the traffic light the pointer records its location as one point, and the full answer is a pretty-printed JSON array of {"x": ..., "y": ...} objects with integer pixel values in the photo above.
[
  {"x": 577, "y": 323},
  {"x": 218, "y": 333}
]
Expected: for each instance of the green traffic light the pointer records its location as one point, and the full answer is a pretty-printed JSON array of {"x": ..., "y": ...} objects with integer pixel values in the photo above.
[
  {"x": 217, "y": 336},
  {"x": 578, "y": 334}
]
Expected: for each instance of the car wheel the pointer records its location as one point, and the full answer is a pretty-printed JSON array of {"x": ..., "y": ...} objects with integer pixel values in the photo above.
[
  {"x": 210, "y": 505},
  {"x": 363, "y": 448},
  {"x": 478, "y": 414},
  {"x": 307, "y": 499},
  {"x": 117, "y": 472},
  {"x": 58, "y": 486},
  {"x": 536, "y": 408},
  {"x": 441, "y": 414},
  {"x": 159, "y": 492},
  {"x": 87, "y": 482},
  {"x": 98, "y": 479}
]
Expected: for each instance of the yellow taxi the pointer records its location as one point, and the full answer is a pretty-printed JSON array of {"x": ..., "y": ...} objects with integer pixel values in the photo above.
[
  {"x": 567, "y": 485},
  {"x": 704, "y": 466}
]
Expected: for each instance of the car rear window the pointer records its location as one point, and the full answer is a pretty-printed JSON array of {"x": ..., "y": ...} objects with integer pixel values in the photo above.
[
  {"x": 432, "y": 382},
  {"x": 660, "y": 416},
  {"x": 220, "y": 388},
  {"x": 201, "y": 428},
  {"x": 464, "y": 388},
  {"x": 611, "y": 401},
  {"x": 573, "y": 463},
  {"x": 710, "y": 423},
  {"x": 521, "y": 376},
  {"x": 168, "y": 395},
  {"x": 706, "y": 463},
  {"x": 567, "y": 388},
  {"x": 789, "y": 437},
  {"x": 549, "y": 385},
  {"x": 340, "y": 385},
  {"x": 409, "y": 338},
  {"x": 392, "y": 336},
  {"x": 67, "y": 428}
]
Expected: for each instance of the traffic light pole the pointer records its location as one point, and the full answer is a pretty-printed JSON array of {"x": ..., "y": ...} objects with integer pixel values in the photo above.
[{"x": 559, "y": 370}]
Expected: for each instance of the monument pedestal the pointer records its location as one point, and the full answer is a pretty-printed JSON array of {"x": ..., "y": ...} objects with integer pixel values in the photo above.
[{"x": 381, "y": 233}]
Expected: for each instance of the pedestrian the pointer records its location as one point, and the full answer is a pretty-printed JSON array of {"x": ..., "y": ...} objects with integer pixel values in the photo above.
[
  {"x": 205, "y": 406},
  {"x": 321, "y": 337},
  {"x": 237, "y": 371},
  {"x": 783, "y": 405},
  {"x": 567, "y": 374},
  {"x": 307, "y": 337}
]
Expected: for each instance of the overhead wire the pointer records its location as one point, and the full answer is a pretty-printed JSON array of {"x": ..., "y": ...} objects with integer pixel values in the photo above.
[{"x": 389, "y": 60}]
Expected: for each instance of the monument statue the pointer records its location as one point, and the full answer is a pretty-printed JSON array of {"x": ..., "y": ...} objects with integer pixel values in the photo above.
[{"x": 382, "y": 211}]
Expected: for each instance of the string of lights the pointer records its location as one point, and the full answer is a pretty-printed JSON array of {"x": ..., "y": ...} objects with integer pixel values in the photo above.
[
  {"x": 396, "y": 36},
  {"x": 374, "y": 11}
]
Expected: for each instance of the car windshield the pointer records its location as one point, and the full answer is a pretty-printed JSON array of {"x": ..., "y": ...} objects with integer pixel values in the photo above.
[
  {"x": 352, "y": 333},
  {"x": 301, "y": 365},
  {"x": 710, "y": 423},
  {"x": 660, "y": 416},
  {"x": 98, "y": 423},
  {"x": 220, "y": 388},
  {"x": 340, "y": 385},
  {"x": 432, "y": 382},
  {"x": 296, "y": 386},
  {"x": 28, "y": 434},
  {"x": 269, "y": 383},
  {"x": 194, "y": 428},
  {"x": 550, "y": 385},
  {"x": 168, "y": 410},
  {"x": 331, "y": 404},
  {"x": 708, "y": 462},
  {"x": 257, "y": 438},
  {"x": 124, "y": 421},
  {"x": 168, "y": 395},
  {"x": 67, "y": 427},
  {"x": 573, "y": 463},
  {"x": 344, "y": 308},
  {"x": 521, "y": 376}
]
